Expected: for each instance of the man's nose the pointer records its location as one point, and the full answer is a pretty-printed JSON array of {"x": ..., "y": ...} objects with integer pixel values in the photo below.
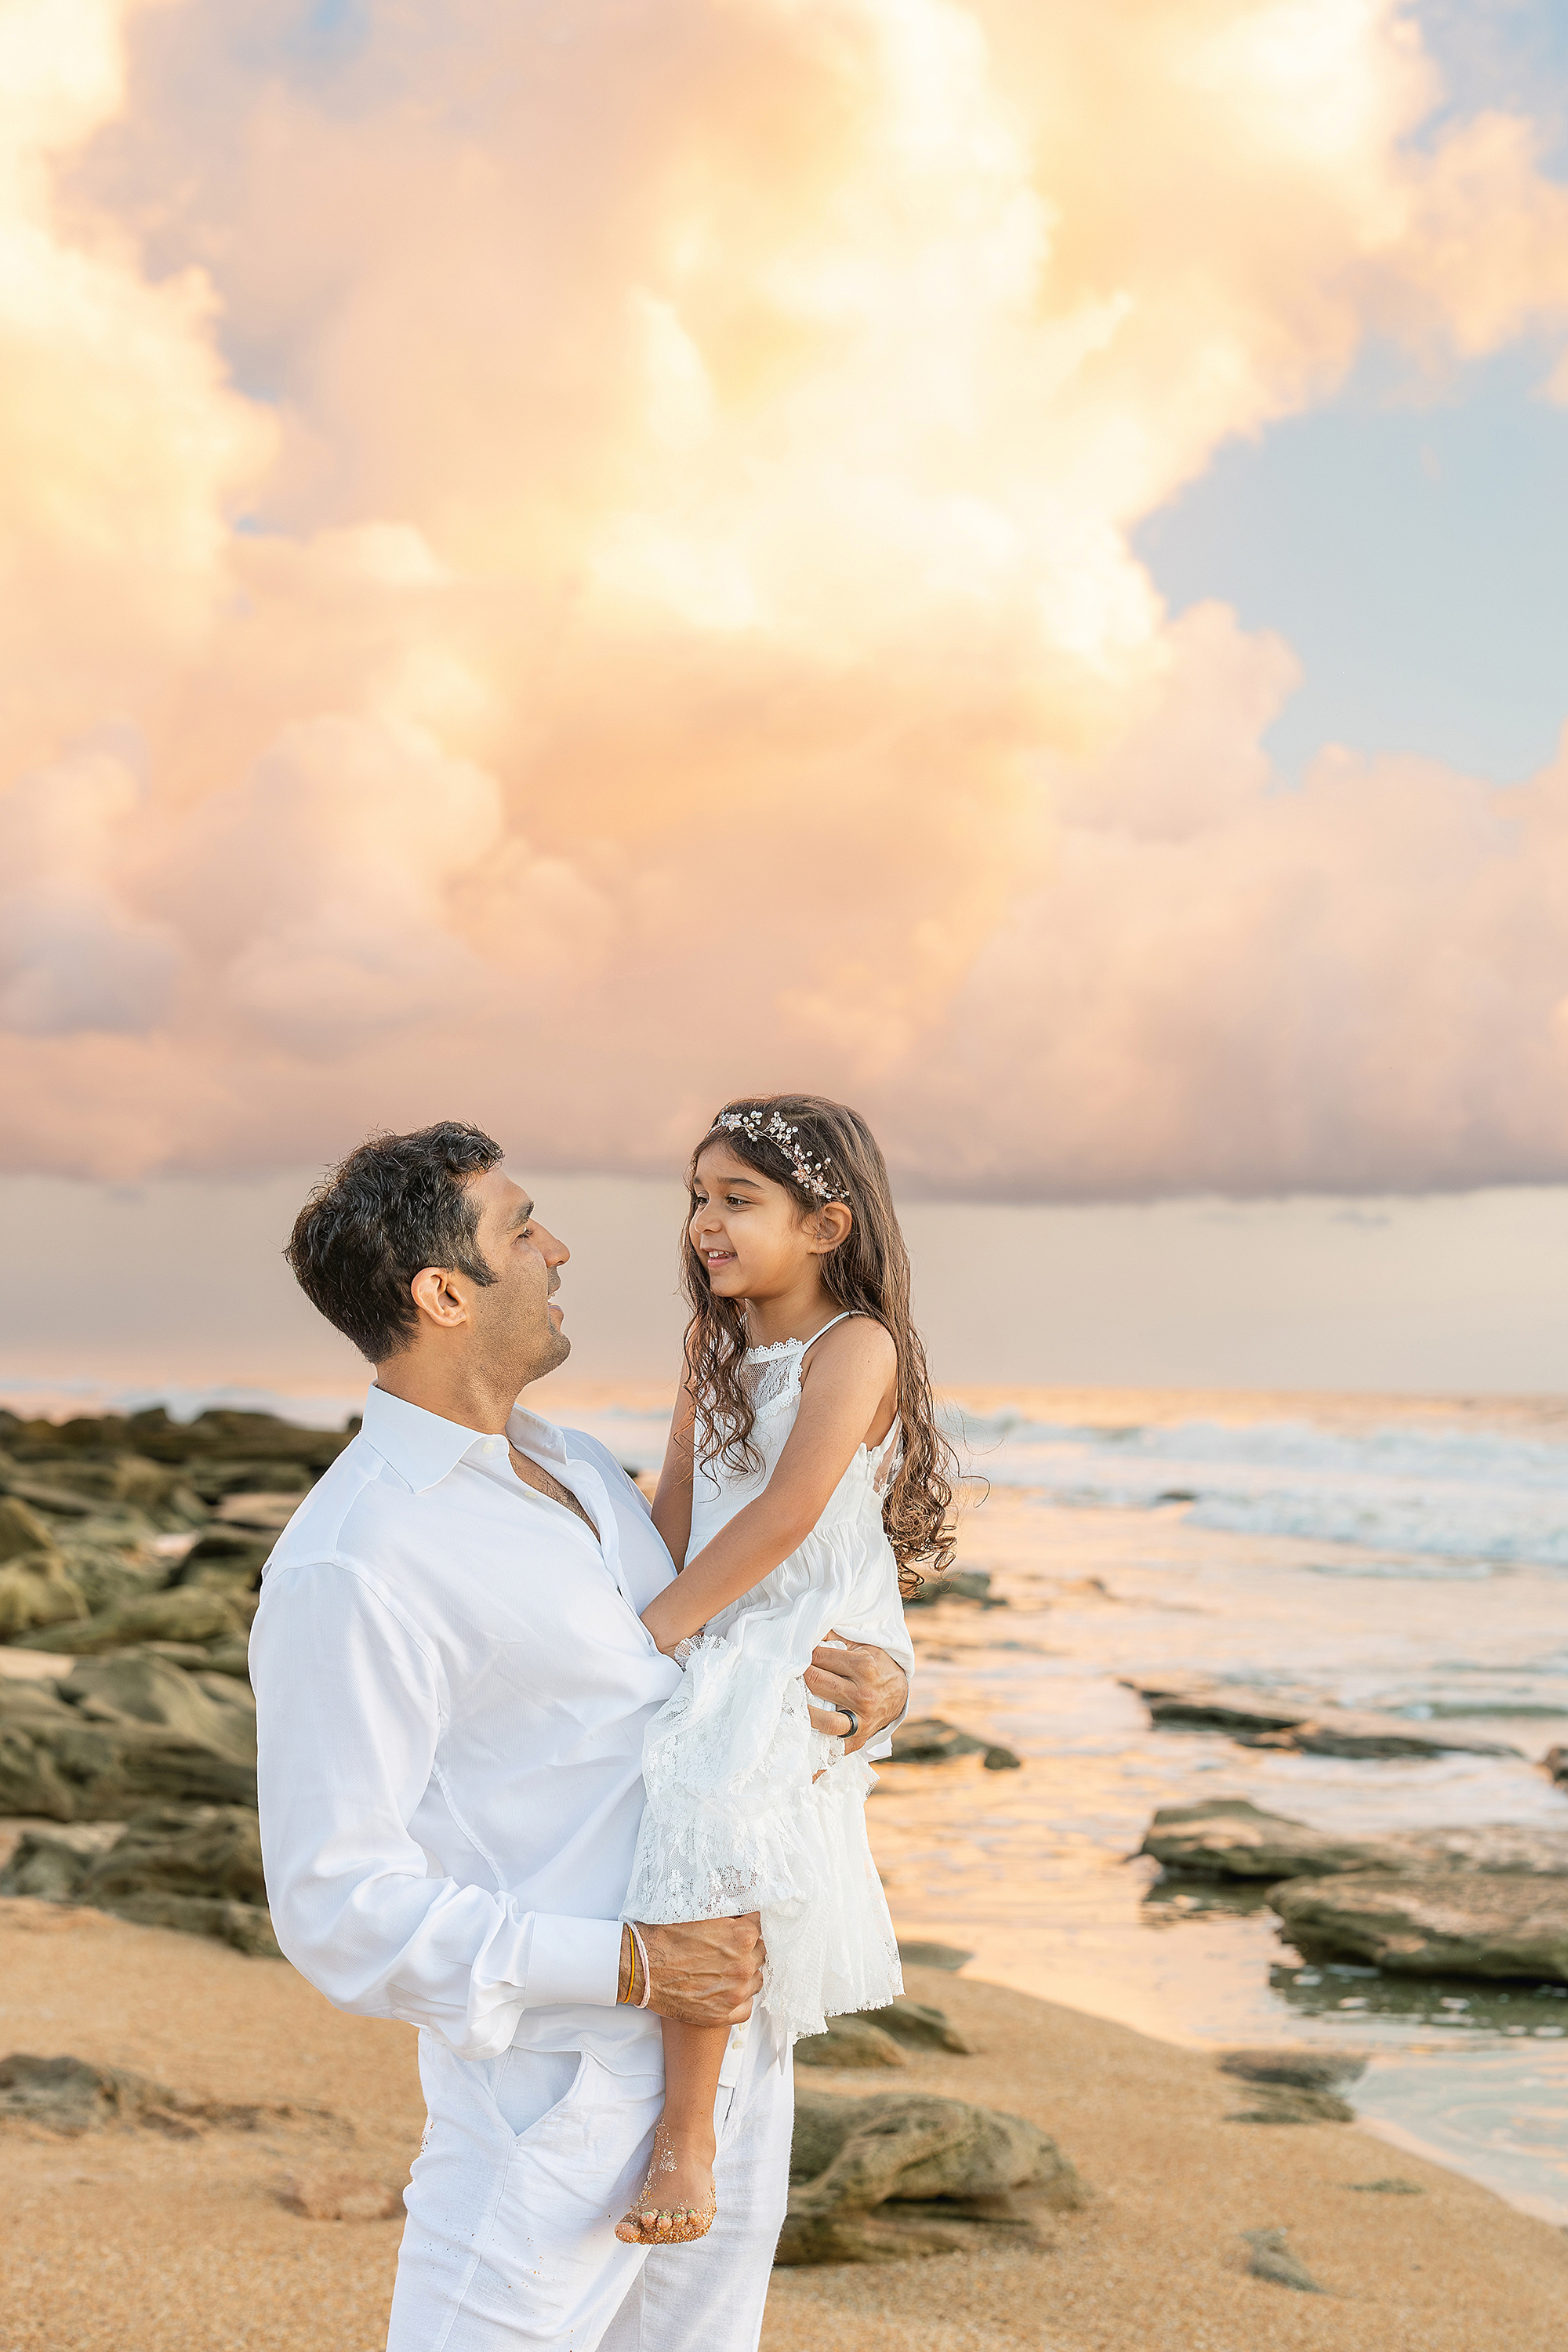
[{"x": 554, "y": 1253}]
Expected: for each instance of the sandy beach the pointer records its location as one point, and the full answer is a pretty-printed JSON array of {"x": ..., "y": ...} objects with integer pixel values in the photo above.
[{"x": 136, "y": 2240}]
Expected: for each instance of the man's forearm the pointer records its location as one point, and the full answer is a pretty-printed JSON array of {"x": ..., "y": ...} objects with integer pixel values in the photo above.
[{"x": 700, "y": 1971}]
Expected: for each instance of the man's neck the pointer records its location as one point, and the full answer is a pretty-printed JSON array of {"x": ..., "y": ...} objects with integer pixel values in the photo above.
[{"x": 459, "y": 1390}]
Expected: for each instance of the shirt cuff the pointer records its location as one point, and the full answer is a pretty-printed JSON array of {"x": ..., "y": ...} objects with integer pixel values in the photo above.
[{"x": 573, "y": 1960}]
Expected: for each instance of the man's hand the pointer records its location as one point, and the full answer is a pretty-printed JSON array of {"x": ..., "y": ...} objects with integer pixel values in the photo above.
[
  {"x": 853, "y": 1674},
  {"x": 705, "y": 1971}
]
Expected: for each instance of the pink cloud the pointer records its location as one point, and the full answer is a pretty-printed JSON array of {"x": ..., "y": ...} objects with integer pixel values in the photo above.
[{"x": 672, "y": 626}]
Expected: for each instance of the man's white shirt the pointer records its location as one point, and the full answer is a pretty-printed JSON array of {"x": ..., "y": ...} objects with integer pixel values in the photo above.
[{"x": 452, "y": 1680}]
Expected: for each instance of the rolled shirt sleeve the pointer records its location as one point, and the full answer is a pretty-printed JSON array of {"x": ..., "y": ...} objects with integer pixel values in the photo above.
[{"x": 349, "y": 1704}]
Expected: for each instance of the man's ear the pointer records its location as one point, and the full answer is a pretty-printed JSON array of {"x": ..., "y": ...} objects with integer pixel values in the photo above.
[
  {"x": 432, "y": 1293},
  {"x": 831, "y": 1226}
]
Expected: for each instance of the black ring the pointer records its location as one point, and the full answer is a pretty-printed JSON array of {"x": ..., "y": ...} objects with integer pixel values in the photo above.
[{"x": 854, "y": 1730}]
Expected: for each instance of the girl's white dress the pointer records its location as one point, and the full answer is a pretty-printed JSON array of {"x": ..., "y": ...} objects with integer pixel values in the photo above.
[{"x": 735, "y": 1820}]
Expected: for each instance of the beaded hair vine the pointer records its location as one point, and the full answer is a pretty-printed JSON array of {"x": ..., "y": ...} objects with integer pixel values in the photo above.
[{"x": 777, "y": 1130}]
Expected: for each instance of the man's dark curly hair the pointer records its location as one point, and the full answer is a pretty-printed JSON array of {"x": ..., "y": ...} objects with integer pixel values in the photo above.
[{"x": 397, "y": 1204}]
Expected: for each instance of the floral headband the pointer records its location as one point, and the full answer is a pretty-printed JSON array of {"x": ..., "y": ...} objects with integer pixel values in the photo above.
[{"x": 777, "y": 1130}]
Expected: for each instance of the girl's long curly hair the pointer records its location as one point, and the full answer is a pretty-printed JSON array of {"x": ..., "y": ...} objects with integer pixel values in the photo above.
[{"x": 868, "y": 1272}]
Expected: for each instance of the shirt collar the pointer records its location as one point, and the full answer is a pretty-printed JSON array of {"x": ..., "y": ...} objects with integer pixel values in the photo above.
[
  {"x": 531, "y": 1434},
  {"x": 421, "y": 1446}
]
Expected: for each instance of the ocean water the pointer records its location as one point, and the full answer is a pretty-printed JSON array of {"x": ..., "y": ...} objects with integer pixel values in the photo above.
[{"x": 1403, "y": 1554}]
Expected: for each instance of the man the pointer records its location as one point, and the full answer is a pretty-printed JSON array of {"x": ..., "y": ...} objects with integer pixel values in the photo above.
[{"x": 452, "y": 1680}]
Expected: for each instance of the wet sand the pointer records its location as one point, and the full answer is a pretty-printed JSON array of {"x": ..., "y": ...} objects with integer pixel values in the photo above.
[{"x": 143, "y": 2242}]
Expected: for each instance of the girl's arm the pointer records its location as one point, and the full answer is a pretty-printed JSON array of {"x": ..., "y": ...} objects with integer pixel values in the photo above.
[
  {"x": 672, "y": 1499},
  {"x": 849, "y": 1382}
]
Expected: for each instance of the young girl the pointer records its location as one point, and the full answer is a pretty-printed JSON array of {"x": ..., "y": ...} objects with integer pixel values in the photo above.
[{"x": 805, "y": 1475}]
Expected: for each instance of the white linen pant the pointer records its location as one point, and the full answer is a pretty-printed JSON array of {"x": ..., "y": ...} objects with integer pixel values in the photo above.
[{"x": 528, "y": 2161}]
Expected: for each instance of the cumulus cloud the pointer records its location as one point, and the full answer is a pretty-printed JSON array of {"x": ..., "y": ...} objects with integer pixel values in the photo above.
[{"x": 563, "y": 562}]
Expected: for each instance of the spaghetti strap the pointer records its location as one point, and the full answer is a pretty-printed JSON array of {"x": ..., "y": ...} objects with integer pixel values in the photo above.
[{"x": 848, "y": 1316}]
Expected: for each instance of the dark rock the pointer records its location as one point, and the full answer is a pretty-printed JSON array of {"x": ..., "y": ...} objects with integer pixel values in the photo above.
[
  {"x": 1505, "y": 1849},
  {"x": 243, "y": 1925},
  {"x": 149, "y": 1765},
  {"x": 44, "y": 1495},
  {"x": 36, "y": 1590},
  {"x": 140, "y": 1686},
  {"x": 231, "y": 1658},
  {"x": 1390, "y": 2188},
  {"x": 1000, "y": 1759},
  {"x": 30, "y": 1696},
  {"x": 71, "y": 2096},
  {"x": 1556, "y": 1763},
  {"x": 929, "y": 1741},
  {"x": 898, "y": 2144},
  {"x": 45, "y": 1867},
  {"x": 1302, "y": 1725},
  {"x": 197, "y": 1868},
  {"x": 182, "y": 1849},
  {"x": 31, "y": 1783},
  {"x": 246, "y": 1438},
  {"x": 110, "y": 1571},
  {"x": 1271, "y": 2259},
  {"x": 1453, "y": 1923},
  {"x": 218, "y": 1481},
  {"x": 1296, "y": 2084},
  {"x": 67, "y": 2095},
  {"x": 1336, "y": 1732},
  {"x": 225, "y": 1559},
  {"x": 21, "y": 1530},
  {"x": 1210, "y": 1706},
  {"x": 188, "y": 1613},
  {"x": 922, "y": 2027},
  {"x": 849, "y": 2042},
  {"x": 67, "y": 1767},
  {"x": 223, "y": 1547},
  {"x": 884, "y": 2178},
  {"x": 78, "y": 1483},
  {"x": 1301, "y": 2070},
  {"x": 916, "y": 1953},
  {"x": 1229, "y": 1838},
  {"x": 235, "y": 1699},
  {"x": 972, "y": 1584},
  {"x": 1278, "y": 2104}
]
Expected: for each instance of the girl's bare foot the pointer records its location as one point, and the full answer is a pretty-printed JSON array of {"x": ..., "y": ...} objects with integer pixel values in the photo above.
[{"x": 677, "y": 2201}]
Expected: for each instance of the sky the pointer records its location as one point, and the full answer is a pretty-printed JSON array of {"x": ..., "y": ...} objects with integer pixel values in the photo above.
[{"x": 566, "y": 561}]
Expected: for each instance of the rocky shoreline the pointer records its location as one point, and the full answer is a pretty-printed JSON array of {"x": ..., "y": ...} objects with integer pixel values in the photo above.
[
  {"x": 1485, "y": 1900},
  {"x": 131, "y": 1548}
]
